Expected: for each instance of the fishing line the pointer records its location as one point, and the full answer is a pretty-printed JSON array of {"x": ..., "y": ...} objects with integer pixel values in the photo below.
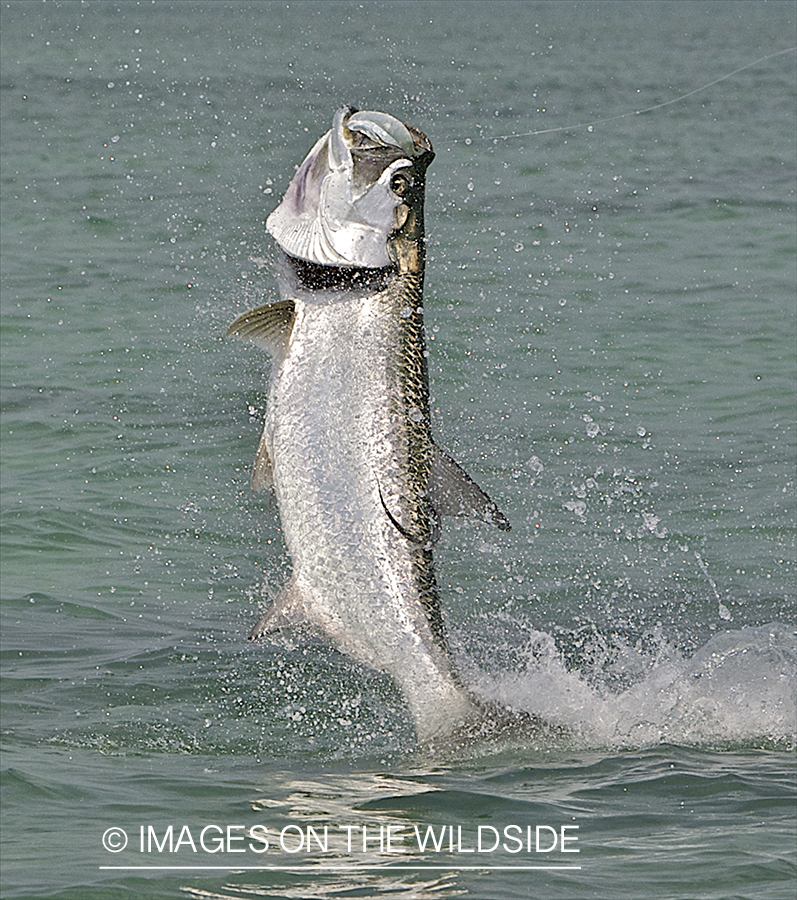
[{"x": 636, "y": 112}]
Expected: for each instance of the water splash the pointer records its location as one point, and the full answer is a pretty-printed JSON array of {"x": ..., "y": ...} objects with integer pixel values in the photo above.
[
  {"x": 724, "y": 612},
  {"x": 737, "y": 690}
]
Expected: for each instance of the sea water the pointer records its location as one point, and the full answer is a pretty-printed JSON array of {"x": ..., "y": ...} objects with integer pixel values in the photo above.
[{"x": 611, "y": 322}]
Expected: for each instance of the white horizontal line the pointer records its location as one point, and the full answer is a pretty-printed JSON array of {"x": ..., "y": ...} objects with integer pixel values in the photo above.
[{"x": 342, "y": 868}]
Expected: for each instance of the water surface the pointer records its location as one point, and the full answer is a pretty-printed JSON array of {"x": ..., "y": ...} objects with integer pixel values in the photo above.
[{"x": 612, "y": 329}]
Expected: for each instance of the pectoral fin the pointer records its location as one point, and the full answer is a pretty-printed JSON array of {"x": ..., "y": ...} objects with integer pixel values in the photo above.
[
  {"x": 455, "y": 493},
  {"x": 268, "y": 326},
  {"x": 286, "y": 610}
]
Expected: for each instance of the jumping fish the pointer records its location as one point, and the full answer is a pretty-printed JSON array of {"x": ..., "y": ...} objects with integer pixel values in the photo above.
[{"x": 347, "y": 445}]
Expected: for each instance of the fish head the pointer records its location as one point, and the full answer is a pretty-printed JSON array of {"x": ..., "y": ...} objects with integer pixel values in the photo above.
[{"x": 360, "y": 186}]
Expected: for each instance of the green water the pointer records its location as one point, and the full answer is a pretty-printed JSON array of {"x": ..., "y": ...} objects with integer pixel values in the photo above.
[{"x": 611, "y": 315}]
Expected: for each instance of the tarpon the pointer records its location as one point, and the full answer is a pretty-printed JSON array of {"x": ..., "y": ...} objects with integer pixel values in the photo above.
[{"x": 347, "y": 445}]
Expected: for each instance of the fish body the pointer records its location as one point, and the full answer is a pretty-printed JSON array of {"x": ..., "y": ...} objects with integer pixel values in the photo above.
[{"x": 347, "y": 444}]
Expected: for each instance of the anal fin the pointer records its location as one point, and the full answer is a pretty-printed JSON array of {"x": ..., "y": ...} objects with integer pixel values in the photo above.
[
  {"x": 455, "y": 493},
  {"x": 287, "y": 609}
]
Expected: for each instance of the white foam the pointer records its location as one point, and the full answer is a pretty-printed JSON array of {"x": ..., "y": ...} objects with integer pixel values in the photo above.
[{"x": 739, "y": 688}]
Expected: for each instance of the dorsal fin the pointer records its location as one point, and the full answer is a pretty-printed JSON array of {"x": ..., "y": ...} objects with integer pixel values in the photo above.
[
  {"x": 455, "y": 493},
  {"x": 268, "y": 326}
]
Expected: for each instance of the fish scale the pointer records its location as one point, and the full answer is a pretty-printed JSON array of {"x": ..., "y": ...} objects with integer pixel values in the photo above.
[{"x": 347, "y": 444}]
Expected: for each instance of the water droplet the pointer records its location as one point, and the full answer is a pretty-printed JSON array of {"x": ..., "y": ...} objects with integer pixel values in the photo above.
[
  {"x": 577, "y": 507},
  {"x": 535, "y": 465}
]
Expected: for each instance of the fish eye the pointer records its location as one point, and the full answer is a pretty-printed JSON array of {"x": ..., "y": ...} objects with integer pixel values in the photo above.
[{"x": 400, "y": 183}]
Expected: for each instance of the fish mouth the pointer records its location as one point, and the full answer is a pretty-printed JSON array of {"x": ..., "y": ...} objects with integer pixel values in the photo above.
[{"x": 352, "y": 191}]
